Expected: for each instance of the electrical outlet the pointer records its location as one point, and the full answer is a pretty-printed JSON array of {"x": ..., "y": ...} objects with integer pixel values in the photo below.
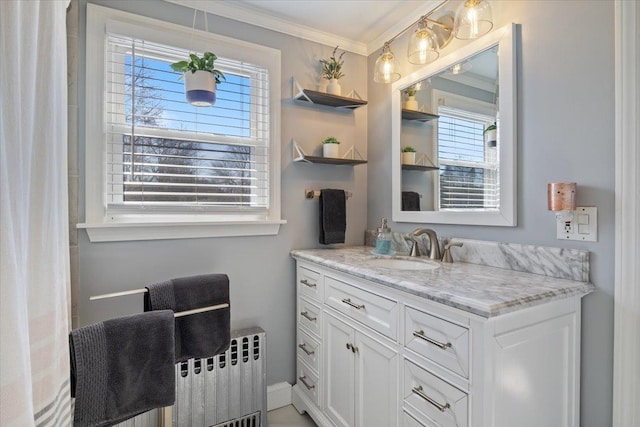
[{"x": 581, "y": 224}]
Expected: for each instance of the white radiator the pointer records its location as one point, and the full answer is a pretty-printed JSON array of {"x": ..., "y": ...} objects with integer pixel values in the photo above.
[{"x": 228, "y": 390}]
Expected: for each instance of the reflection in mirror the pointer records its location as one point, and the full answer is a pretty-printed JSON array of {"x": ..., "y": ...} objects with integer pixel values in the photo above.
[{"x": 459, "y": 119}]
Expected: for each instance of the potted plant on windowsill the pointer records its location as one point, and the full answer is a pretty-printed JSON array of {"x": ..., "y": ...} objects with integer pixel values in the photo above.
[
  {"x": 331, "y": 147},
  {"x": 200, "y": 78},
  {"x": 408, "y": 155},
  {"x": 411, "y": 103},
  {"x": 491, "y": 135},
  {"x": 332, "y": 71}
]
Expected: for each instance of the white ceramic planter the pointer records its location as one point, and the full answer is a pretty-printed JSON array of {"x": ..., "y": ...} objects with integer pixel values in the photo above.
[
  {"x": 409, "y": 158},
  {"x": 200, "y": 88},
  {"x": 334, "y": 88},
  {"x": 411, "y": 103},
  {"x": 331, "y": 150},
  {"x": 491, "y": 137}
]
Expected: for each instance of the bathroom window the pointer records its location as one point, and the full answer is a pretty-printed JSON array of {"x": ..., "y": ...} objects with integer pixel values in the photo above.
[
  {"x": 468, "y": 166},
  {"x": 152, "y": 159}
]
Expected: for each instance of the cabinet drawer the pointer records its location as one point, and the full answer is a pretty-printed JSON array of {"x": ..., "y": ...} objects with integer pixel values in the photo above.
[
  {"x": 309, "y": 283},
  {"x": 308, "y": 350},
  {"x": 437, "y": 401},
  {"x": 308, "y": 382},
  {"x": 443, "y": 342},
  {"x": 409, "y": 421},
  {"x": 373, "y": 310},
  {"x": 310, "y": 317}
]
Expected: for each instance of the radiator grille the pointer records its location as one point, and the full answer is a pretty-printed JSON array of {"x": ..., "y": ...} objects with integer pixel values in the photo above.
[{"x": 228, "y": 390}]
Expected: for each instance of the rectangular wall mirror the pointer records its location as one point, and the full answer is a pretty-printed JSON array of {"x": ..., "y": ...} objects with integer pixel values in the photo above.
[{"x": 457, "y": 116}]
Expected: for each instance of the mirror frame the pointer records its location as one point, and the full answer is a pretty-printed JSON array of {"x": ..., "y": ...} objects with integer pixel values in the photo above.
[{"x": 504, "y": 38}]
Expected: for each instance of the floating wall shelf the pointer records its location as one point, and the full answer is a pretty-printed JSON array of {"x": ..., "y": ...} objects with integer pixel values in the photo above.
[
  {"x": 347, "y": 159},
  {"x": 418, "y": 115},
  {"x": 423, "y": 163},
  {"x": 351, "y": 101}
]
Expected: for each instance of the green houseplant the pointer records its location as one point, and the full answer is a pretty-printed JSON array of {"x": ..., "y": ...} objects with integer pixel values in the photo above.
[
  {"x": 332, "y": 71},
  {"x": 200, "y": 78},
  {"x": 411, "y": 103},
  {"x": 330, "y": 147},
  {"x": 408, "y": 155}
]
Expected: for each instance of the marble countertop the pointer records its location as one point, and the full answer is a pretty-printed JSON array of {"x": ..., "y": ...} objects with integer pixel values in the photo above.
[{"x": 479, "y": 289}]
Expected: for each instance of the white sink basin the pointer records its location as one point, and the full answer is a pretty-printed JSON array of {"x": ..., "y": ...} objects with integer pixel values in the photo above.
[{"x": 403, "y": 264}]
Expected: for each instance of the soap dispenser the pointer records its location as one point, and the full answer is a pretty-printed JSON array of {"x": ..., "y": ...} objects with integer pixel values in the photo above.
[{"x": 383, "y": 241}]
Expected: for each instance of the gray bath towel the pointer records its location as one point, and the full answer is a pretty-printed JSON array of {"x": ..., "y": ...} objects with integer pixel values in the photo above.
[
  {"x": 122, "y": 367},
  {"x": 199, "y": 335},
  {"x": 333, "y": 216}
]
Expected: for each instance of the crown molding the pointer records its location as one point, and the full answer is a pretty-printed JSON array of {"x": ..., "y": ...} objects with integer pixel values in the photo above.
[{"x": 258, "y": 18}]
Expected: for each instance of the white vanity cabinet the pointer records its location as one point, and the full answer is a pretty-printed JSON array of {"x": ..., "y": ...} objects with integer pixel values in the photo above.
[{"x": 374, "y": 355}]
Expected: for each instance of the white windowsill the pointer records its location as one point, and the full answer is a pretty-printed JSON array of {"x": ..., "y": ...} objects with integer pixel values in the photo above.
[{"x": 130, "y": 231}]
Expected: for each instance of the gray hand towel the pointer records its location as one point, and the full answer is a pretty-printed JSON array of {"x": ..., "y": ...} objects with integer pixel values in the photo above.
[
  {"x": 122, "y": 367},
  {"x": 333, "y": 216},
  {"x": 410, "y": 201},
  {"x": 199, "y": 335}
]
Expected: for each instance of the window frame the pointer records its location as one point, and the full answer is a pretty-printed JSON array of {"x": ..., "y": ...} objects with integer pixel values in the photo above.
[{"x": 159, "y": 224}]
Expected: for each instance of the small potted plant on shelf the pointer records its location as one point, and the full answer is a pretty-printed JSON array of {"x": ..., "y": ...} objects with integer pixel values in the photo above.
[
  {"x": 408, "y": 155},
  {"x": 331, "y": 147},
  {"x": 411, "y": 103},
  {"x": 491, "y": 135},
  {"x": 332, "y": 71},
  {"x": 200, "y": 78}
]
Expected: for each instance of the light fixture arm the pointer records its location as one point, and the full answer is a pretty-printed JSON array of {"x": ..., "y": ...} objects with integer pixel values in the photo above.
[
  {"x": 438, "y": 24},
  {"x": 423, "y": 17}
]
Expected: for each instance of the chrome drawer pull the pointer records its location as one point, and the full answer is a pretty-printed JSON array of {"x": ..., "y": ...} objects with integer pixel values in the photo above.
[
  {"x": 306, "y": 384},
  {"x": 352, "y": 304},
  {"x": 309, "y": 284},
  {"x": 420, "y": 334},
  {"x": 303, "y": 347},
  {"x": 305, "y": 314},
  {"x": 419, "y": 392}
]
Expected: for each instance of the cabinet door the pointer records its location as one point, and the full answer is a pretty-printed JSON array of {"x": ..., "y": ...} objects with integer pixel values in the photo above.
[
  {"x": 376, "y": 383},
  {"x": 339, "y": 372}
]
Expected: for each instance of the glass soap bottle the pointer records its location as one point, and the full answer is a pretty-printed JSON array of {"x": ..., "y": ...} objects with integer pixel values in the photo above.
[{"x": 383, "y": 240}]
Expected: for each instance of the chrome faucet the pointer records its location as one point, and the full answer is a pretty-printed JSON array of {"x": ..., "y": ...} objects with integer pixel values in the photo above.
[{"x": 434, "y": 247}]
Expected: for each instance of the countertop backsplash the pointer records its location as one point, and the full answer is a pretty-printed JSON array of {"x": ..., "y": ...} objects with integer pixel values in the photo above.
[{"x": 570, "y": 264}]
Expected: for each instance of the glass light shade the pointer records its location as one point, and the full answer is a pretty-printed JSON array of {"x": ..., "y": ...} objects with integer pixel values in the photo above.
[
  {"x": 473, "y": 19},
  {"x": 384, "y": 70},
  {"x": 423, "y": 46}
]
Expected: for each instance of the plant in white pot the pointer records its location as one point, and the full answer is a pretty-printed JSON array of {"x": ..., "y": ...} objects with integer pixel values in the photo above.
[
  {"x": 491, "y": 135},
  {"x": 408, "y": 155},
  {"x": 200, "y": 78},
  {"x": 331, "y": 147},
  {"x": 411, "y": 103},
  {"x": 332, "y": 71}
]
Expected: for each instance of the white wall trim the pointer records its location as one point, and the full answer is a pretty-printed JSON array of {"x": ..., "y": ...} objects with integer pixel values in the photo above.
[
  {"x": 278, "y": 395},
  {"x": 626, "y": 368}
]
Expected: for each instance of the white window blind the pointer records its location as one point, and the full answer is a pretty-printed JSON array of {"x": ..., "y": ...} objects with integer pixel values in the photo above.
[
  {"x": 468, "y": 168},
  {"x": 167, "y": 155}
]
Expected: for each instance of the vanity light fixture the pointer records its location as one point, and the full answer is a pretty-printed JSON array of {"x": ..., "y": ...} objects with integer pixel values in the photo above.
[
  {"x": 460, "y": 67},
  {"x": 472, "y": 20}
]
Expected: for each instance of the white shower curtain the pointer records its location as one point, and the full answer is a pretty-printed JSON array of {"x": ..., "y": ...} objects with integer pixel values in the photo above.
[{"x": 35, "y": 295}]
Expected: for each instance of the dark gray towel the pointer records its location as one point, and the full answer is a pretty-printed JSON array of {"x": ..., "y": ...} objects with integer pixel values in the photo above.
[
  {"x": 122, "y": 367},
  {"x": 410, "y": 201},
  {"x": 333, "y": 216},
  {"x": 199, "y": 335}
]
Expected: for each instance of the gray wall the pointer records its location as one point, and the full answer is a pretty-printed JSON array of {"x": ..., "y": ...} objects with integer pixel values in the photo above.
[
  {"x": 565, "y": 133},
  {"x": 260, "y": 269}
]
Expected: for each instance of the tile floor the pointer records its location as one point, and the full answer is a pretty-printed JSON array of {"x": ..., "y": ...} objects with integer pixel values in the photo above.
[{"x": 287, "y": 416}]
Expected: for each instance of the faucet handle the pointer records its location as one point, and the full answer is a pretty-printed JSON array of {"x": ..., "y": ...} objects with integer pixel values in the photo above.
[
  {"x": 413, "y": 250},
  {"x": 446, "y": 257}
]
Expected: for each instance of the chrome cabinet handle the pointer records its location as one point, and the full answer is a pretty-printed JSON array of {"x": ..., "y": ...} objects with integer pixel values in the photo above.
[
  {"x": 349, "y": 347},
  {"x": 303, "y": 347},
  {"x": 309, "y": 284},
  {"x": 352, "y": 304},
  {"x": 419, "y": 391},
  {"x": 420, "y": 334},
  {"x": 306, "y": 384},
  {"x": 305, "y": 314}
]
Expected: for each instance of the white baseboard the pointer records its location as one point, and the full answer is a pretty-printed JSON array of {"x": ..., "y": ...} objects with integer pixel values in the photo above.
[{"x": 278, "y": 395}]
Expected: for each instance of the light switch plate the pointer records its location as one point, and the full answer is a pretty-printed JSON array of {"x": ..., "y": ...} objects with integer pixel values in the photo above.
[{"x": 581, "y": 224}]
